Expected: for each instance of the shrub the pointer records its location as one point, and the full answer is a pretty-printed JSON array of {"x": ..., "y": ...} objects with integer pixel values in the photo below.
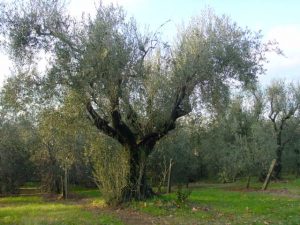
[
  {"x": 110, "y": 168},
  {"x": 182, "y": 195}
]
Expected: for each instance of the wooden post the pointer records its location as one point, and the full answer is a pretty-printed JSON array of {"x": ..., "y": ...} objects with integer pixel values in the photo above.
[
  {"x": 62, "y": 186},
  {"x": 248, "y": 182},
  {"x": 65, "y": 185},
  {"x": 169, "y": 176},
  {"x": 267, "y": 180}
]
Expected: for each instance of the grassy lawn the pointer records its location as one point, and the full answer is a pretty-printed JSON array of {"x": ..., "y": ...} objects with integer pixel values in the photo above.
[
  {"x": 207, "y": 204},
  {"x": 35, "y": 210},
  {"x": 231, "y": 204}
]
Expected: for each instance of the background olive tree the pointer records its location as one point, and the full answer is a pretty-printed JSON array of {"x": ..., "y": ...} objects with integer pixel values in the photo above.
[
  {"x": 283, "y": 106},
  {"x": 15, "y": 164}
]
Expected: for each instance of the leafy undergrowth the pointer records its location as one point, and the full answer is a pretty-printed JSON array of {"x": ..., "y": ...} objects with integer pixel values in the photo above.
[{"x": 230, "y": 204}]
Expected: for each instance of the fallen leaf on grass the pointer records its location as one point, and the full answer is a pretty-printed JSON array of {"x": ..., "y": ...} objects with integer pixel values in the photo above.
[{"x": 195, "y": 209}]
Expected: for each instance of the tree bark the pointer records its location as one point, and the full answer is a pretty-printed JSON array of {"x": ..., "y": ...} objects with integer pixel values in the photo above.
[
  {"x": 139, "y": 147},
  {"x": 278, "y": 165},
  {"x": 170, "y": 176},
  {"x": 278, "y": 128},
  {"x": 137, "y": 188},
  {"x": 65, "y": 184}
]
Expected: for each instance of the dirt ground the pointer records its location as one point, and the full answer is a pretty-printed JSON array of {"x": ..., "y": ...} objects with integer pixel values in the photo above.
[{"x": 131, "y": 217}]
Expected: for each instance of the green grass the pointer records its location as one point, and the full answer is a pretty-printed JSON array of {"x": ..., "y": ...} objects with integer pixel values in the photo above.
[
  {"x": 31, "y": 185},
  {"x": 230, "y": 204},
  {"x": 86, "y": 192},
  {"x": 208, "y": 204},
  {"x": 291, "y": 185},
  {"x": 36, "y": 211}
]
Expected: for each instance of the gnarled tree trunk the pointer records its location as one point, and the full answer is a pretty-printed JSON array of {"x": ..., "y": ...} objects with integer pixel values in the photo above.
[
  {"x": 137, "y": 183},
  {"x": 278, "y": 165},
  {"x": 139, "y": 146}
]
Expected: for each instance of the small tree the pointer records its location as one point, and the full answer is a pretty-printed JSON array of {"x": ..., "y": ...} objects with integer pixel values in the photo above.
[
  {"x": 110, "y": 167},
  {"x": 62, "y": 140}
]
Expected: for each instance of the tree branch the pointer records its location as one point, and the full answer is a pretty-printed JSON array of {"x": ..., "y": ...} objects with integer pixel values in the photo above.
[
  {"x": 118, "y": 124},
  {"x": 102, "y": 124},
  {"x": 123, "y": 130},
  {"x": 177, "y": 111},
  {"x": 272, "y": 115}
]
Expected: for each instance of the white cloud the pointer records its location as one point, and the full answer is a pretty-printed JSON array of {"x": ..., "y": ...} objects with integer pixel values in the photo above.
[
  {"x": 122, "y": 2},
  {"x": 287, "y": 66},
  {"x": 4, "y": 68},
  {"x": 77, "y": 7},
  {"x": 287, "y": 36},
  {"x": 131, "y": 7}
]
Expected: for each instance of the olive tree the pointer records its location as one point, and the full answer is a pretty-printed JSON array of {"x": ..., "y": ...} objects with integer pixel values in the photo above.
[
  {"x": 283, "y": 104},
  {"x": 15, "y": 166},
  {"x": 62, "y": 138},
  {"x": 17, "y": 136},
  {"x": 180, "y": 148},
  {"x": 238, "y": 142},
  {"x": 134, "y": 86}
]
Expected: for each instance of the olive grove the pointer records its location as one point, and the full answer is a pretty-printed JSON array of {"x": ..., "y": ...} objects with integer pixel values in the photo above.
[{"x": 133, "y": 86}]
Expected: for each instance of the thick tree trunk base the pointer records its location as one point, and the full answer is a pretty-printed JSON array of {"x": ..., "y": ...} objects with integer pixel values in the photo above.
[
  {"x": 248, "y": 182},
  {"x": 277, "y": 171},
  {"x": 131, "y": 194}
]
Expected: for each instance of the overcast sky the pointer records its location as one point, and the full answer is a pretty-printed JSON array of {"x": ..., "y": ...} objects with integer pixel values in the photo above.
[{"x": 278, "y": 19}]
